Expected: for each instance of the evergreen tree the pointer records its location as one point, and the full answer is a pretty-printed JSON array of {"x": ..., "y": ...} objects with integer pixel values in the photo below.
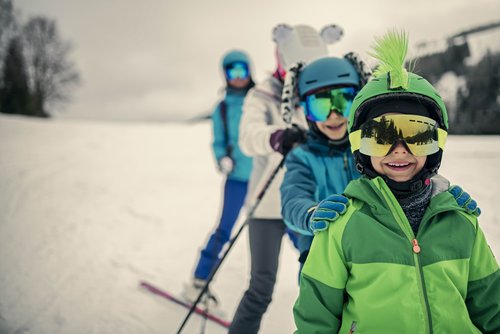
[
  {"x": 15, "y": 95},
  {"x": 8, "y": 27}
]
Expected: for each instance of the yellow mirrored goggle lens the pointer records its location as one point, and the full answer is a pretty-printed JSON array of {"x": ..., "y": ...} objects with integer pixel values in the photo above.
[{"x": 377, "y": 136}]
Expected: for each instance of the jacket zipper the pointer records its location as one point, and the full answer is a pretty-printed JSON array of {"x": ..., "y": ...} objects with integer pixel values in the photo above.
[
  {"x": 416, "y": 257},
  {"x": 346, "y": 167},
  {"x": 421, "y": 283}
]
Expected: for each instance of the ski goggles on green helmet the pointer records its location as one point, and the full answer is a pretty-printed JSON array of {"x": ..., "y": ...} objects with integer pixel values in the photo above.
[
  {"x": 237, "y": 70},
  {"x": 318, "y": 105},
  {"x": 377, "y": 136}
]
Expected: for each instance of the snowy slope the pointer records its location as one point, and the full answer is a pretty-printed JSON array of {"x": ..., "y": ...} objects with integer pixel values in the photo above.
[{"x": 88, "y": 209}]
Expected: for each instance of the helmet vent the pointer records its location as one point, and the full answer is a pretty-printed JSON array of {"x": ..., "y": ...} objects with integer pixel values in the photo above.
[
  {"x": 311, "y": 81},
  {"x": 344, "y": 75}
]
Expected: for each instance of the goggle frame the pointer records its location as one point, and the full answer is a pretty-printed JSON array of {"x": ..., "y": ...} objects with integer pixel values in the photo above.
[
  {"x": 318, "y": 105},
  {"x": 377, "y": 137}
]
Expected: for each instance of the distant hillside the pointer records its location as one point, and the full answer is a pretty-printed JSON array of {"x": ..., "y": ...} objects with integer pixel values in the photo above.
[{"x": 465, "y": 67}]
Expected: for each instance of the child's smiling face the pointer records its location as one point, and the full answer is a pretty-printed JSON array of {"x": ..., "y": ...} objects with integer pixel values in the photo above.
[
  {"x": 399, "y": 165},
  {"x": 335, "y": 127}
]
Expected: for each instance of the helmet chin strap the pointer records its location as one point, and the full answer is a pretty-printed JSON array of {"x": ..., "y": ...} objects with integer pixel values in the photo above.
[{"x": 419, "y": 181}]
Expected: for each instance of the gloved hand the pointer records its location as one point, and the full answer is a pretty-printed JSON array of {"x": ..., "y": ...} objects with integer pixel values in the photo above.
[
  {"x": 464, "y": 200},
  {"x": 226, "y": 165},
  {"x": 283, "y": 140},
  {"x": 327, "y": 211}
]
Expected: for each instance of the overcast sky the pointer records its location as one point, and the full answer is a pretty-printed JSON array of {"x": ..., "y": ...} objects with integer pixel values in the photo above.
[{"x": 155, "y": 60}]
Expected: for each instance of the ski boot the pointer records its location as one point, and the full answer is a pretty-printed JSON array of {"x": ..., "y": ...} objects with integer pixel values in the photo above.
[{"x": 192, "y": 290}]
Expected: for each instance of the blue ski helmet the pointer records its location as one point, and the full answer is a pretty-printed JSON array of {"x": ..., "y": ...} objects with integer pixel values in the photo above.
[
  {"x": 234, "y": 56},
  {"x": 326, "y": 72}
]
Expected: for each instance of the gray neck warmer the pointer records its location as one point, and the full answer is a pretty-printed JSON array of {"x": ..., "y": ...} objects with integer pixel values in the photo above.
[{"x": 414, "y": 206}]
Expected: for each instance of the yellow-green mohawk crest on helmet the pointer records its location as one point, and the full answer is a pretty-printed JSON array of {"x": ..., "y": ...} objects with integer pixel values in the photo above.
[
  {"x": 391, "y": 81},
  {"x": 390, "y": 50}
]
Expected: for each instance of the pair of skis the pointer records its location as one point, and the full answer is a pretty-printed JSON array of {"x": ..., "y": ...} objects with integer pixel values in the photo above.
[{"x": 168, "y": 296}]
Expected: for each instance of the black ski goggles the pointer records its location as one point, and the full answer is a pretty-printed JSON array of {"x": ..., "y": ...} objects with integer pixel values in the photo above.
[{"x": 377, "y": 136}]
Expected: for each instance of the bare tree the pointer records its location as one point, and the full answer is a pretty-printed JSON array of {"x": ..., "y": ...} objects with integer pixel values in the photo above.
[{"x": 52, "y": 76}]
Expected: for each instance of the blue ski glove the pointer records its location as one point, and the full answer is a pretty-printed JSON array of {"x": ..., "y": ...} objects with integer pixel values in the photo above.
[
  {"x": 464, "y": 200},
  {"x": 326, "y": 212}
]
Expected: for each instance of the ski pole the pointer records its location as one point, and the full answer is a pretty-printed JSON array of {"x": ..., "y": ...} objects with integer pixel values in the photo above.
[
  {"x": 204, "y": 321},
  {"x": 231, "y": 243}
]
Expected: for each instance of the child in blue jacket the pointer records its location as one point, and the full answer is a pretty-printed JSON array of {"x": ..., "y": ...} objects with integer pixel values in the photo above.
[
  {"x": 230, "y": 161},
  {"x": 324, "y": 164}
]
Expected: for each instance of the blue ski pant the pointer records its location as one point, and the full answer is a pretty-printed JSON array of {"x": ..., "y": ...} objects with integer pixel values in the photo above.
[{"x": 234, "y": 197}]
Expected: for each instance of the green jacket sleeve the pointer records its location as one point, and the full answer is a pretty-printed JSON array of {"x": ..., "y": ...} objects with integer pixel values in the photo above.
[
  {"x": 318, "y": 308},
  {"x": 483, "y": 291}
]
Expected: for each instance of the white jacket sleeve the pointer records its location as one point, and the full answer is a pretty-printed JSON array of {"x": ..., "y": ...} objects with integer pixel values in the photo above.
[{"x": 258, "y": 122}]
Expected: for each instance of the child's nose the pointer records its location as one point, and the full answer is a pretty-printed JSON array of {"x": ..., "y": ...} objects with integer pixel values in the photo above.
[
  {"x": 400, "y": 149},
  {"x": 334, "y": 115}
]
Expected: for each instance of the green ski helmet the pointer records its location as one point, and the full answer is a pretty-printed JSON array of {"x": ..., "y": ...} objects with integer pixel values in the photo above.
[
  {"x": 379, "y": 90},
  {"x": 405, "y": 92}
]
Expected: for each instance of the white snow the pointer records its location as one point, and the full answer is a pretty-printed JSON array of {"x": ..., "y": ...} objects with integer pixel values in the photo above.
[{"x": 88, "y": 209}]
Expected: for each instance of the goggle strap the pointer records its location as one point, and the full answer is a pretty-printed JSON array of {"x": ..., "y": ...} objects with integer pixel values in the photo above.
[
  {"x": 355, "y": 139},
  {"x": 442, "y": 135}
]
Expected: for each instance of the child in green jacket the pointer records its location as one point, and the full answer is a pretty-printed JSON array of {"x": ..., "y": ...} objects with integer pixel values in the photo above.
[{"x": 404, "y": 257}]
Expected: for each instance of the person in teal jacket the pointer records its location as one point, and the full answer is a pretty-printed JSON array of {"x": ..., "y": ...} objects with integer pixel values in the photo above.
[
  {"x": 405, "y": 257},
  {"x": 324, "y": 164},
  {"x": 230, "y": 161}
]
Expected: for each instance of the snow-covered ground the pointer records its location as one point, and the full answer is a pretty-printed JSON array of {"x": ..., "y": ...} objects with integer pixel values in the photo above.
[{"x": 88, "y": 209}]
